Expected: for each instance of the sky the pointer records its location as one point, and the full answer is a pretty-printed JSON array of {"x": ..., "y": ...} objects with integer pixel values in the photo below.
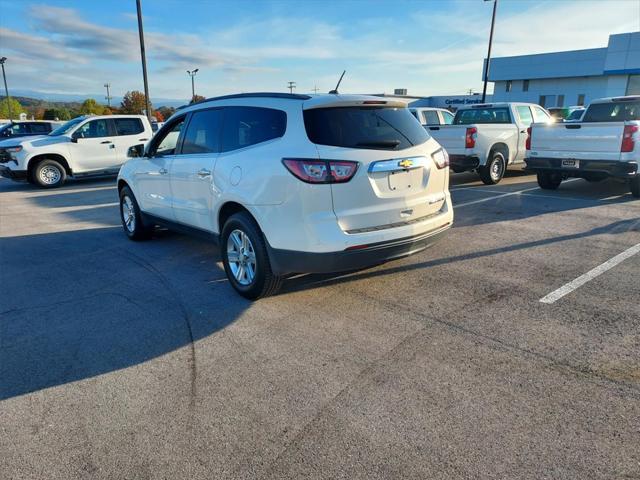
[{"x": 430, "y": 47}]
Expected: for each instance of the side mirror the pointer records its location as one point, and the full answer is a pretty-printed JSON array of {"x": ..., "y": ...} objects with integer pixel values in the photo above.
[
  {"x": 76, "y": 136},
  {"x": 135, "y": 151}
]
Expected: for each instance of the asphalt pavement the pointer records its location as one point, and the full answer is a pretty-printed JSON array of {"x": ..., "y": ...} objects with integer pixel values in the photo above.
[{"x": 138, "y": 360}]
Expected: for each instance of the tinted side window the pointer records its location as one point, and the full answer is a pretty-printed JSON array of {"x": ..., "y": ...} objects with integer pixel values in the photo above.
[
  {"x": 447, "y": 117},
  {"x": 525, "y": 115},
  {"x": 40, "y": 128},
  {"x": 19, "y": 128},
  {"x": 203, "y": 132},
  {"x": 612, "y": 112},
  {"x": 245, "y": 126},
  {"x": 431, "y": 117},
  {"x": 165, "y": 142},
  {"x": 482, "y": 115},
  {"x": 128, "y": 126},
  {"x": 93, "y": 129}
]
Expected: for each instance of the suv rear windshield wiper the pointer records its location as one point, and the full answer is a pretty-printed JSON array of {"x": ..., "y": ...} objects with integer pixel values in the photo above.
[{"x": 379, "y": 143}]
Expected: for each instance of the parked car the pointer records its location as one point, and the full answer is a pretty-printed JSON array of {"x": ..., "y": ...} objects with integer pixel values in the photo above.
[
  {"x": 25, "y": 129},
  {"x": 432, "y": 115},
  {"x": 562, "y": 114},
  {"x": 488, "y": 137},
  {"x": 290, "y": 183},
  {"x": 82, "y": 147},
  {"x": 606, "y": 143}
]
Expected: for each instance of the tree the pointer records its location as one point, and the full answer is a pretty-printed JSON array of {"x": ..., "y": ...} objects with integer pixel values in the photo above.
[
  {"x": 134, "y": 102},
  {"x": 106, "y": 111},
  {"x": 56, "y": 114},
  {"x": 166, "y": 112},
  {"x": 159, "y": 116},
  {"x": 91, "y": 107},
  {"x": 16, "y": 108},
  {"x": 197, "y": 98}
]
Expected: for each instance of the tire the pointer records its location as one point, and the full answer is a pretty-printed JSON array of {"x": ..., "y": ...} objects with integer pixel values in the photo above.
[
  {"x": 595, "y": 177},
  {"x": 131, "y": 219},
  {"x": 245, "y": 258},
  {"x": 549, "y": 181},
  {"x": 494, "y": 170},
  {"x": 634, "y": 186},
  {"x": 48, "y": 174}
]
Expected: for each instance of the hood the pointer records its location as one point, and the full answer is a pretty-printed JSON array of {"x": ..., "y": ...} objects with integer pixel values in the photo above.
[{"x": 35, "y": 142}]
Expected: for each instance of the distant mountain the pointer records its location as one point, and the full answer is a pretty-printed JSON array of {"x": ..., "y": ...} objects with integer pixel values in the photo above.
[{"x": 79, "y": 98}]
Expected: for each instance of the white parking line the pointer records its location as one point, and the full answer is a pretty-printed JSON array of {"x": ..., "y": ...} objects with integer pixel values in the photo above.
[
  {"x": 508, "y": 194},
  {"x": 590, "y": 275}
]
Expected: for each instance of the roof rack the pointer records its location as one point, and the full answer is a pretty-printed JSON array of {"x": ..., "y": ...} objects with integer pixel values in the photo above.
[{"x": 290, "y": 96}]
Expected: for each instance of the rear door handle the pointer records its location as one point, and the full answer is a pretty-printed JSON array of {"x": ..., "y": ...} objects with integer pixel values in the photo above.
[
  {"x": 106, "y": 141},
  {"x": 163, "y": 171},
  {"x": 143, "y": 139},
  {"x": 204, "y": 173}
]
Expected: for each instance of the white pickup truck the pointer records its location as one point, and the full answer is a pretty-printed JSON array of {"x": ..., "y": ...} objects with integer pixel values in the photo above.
[
  {"x": 82, "y": 147},
  {"x": 606, "y": 143},
  {"x": 488, "y": 137}
]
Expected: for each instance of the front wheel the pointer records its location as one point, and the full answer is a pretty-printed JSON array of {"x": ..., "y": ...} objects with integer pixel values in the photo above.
[
  {"x": 493, "y": 171},
  {"x": 245, "y": 258},
  {"x": 634, "y": 186},
  {"x": 549, "y": 181},
  {"x": 131, "y": 218},
  {"x": 48, "y": 174}
]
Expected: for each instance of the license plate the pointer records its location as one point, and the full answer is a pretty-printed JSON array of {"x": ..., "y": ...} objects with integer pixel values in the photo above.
[
  {"x": 570, "y": 163},
  {"x": 399, "y": 181}
]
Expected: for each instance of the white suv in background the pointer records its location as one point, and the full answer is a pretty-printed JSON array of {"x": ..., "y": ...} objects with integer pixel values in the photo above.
[
  {"x": 82, "y": 147},
  {"x": 291, "y": 183}
]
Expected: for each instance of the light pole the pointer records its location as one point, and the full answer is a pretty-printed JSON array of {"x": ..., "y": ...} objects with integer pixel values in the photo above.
[
  {"x": 291, "y": 86},
  {"x": 6, "y": 90},
  {"x": 488, "y": 64},
  {"x": 108, "y": 97},
  {"x": 144, "y": 60},
  {"x": 192, "y": 74}
]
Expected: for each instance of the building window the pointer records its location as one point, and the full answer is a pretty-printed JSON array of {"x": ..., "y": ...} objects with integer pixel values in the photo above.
[
  {"x": 525, "y": 85},
  {"x": 560, "y": 101},
  {"x": 541, "y": 101},
  {"x": 508, "y": 86},
  {"x": 581, "y": 99},
  {"x": 633, "y": 86}
]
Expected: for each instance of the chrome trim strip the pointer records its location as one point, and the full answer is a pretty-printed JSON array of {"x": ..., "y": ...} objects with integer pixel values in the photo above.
[
  {"x": 394, "y": 165},
  {"x": 394, "y": 225}
]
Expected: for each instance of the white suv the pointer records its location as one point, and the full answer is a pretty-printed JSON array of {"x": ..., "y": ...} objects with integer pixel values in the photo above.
[
  {"x": 291, "y": 183},
  {"x": 83, "y": 147}
]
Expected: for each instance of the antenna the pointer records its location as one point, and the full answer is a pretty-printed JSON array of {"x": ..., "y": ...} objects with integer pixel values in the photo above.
[{"x": 335, "y": 90}]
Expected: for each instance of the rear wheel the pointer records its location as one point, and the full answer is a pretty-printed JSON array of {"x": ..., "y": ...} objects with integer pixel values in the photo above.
[
  {"x": 131, "y": 218},
  {"x": 245, "y": 258},
  {"x": 493, "y": 171},
  {"x": 48, "y": 174},
  {"x": 634, "y": 186},
  {"x": 549, "y": 181}
]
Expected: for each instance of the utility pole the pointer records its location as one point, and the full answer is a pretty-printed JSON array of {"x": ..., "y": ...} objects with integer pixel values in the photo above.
[
  {"x": 144, "y": 61},
  {"x": 6, "y": 90},
  {"x": 291, "y": 86},
  {"x": 192, "y": 74},
  {"x": 315, "y": 89},
  {"x": 108, "y": 97},
  {"x": 488, "y": 64}
]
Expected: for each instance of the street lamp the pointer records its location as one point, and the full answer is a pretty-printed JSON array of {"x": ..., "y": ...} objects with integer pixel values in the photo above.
[
  {"x": 144, "y": 60},
  {"x": 192, "y": 74},
  {"x": 6, "y": 90},
  {"x": 486, "y": 67}
]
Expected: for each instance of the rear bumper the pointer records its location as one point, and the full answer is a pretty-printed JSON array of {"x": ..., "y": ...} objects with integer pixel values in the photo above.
[
  {"x": 285, "y": 262},
  {"x": 463, "y": 163},
  {"x": 610, "y": 168},
  {"x": 12, "y": 174}
]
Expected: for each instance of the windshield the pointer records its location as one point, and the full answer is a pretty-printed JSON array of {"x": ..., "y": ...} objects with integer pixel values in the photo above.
[
  {"x": 373, "y": 128},
  {"x": 65, "y": 128},
  {"x": 612, "y": 112},
  {"x": 482, "y": 115}
]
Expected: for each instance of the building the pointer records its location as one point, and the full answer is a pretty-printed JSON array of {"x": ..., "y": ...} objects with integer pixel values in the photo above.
[
  {"x": 450, "y": 102},
  {"x": 570, "y": 78}
]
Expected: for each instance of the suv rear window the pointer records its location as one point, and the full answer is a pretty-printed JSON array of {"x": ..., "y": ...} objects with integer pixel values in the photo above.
[
  {"x": 377, "y": 128},
  {"x": 612, "y": 112},
  {"x": 482, "y": 115}
]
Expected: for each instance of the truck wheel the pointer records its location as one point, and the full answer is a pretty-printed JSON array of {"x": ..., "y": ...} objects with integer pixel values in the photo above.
[
  {"x": 634, "y": 186},
  {"x": 245, "y": 258},
  {"x": 49, "y": 174},
  {"x": 493, "y": 171},
  {"x": 131, "y": 218},
  {"x": 549, "y": 181}
]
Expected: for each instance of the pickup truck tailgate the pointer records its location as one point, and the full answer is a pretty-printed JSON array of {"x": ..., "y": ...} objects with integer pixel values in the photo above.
[
  {"x": 580, "y": 140},
  {"x": 450, "y": 137}
]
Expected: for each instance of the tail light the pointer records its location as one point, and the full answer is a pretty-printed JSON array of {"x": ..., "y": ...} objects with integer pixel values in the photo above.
[
  {"x": 470, "y": 137},
  {"x": 528, "y": 142},
  {"x": 627, "y": 138},
  {"x": 310, "y": 170},
  {"x": 441, "y": 157}
]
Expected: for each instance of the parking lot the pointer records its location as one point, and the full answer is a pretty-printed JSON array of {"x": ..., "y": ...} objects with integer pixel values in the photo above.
[{"x": 138, "y": 360}]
